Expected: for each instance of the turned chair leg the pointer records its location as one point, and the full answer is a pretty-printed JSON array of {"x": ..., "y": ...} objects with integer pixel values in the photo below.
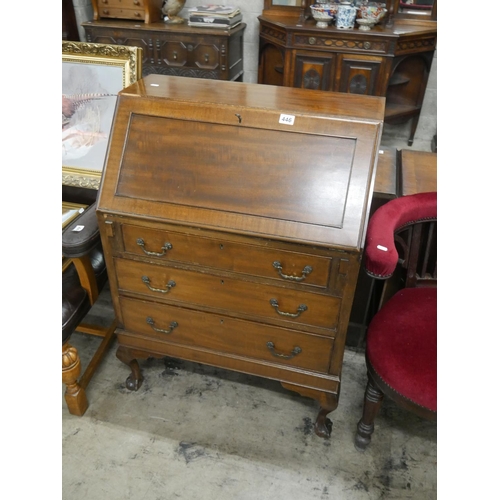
[
  {"x": 75, "y": 396},
  {"x": 372, "y": 403}
]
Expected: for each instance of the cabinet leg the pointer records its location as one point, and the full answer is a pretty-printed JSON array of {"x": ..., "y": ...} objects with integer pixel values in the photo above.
[
  {"x": 328, "y": 402},
  {"x": 134, "y": 380},
  {"x": 414, "y": 123}
]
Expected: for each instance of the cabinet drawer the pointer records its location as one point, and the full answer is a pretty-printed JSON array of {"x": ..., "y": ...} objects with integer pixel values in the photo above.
[
  {"x": 120, "y": 13},
  {"x": 228, "y": 335},
  {"x": 282, "y": 265},
  {"x": 294, "y": 307},
  {"x": 123, "y": 4},
  {"x": 341, "y": 42}
]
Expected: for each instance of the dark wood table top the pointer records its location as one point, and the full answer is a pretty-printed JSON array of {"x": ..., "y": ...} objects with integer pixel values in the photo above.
[
  {"x": 404, "y": 172},
  {"x": 418, "y": 172}
]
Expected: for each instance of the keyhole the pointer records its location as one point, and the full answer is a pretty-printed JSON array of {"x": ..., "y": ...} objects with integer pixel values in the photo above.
[
  {"x": 221, "y": 282},
  {"x": 221, "y": 247},
  {"x": 238, "y": 116}
]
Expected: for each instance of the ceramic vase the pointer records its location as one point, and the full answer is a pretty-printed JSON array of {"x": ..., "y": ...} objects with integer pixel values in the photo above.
[{"x": 346, "y": 17}]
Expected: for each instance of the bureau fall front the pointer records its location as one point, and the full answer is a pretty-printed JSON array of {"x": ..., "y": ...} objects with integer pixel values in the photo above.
[{"x": 233, "y": 219}]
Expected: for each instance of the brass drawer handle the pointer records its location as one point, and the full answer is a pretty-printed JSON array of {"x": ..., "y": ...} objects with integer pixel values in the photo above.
[
  {"x": 307, "y": 270},
  {"x": 296, "y": 350},
  {"x": 164, "y": 248},
  {"x": 300, "y": 309},
  {"x": 150, "y": 321},
  {"x": 169, "y": 285}
]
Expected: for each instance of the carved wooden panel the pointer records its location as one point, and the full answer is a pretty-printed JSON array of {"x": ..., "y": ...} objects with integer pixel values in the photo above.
[
  {"x": 314, "y": 71},
  {"x": 357, "y": 75}
]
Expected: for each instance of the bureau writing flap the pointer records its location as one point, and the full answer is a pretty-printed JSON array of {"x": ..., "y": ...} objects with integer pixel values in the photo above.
[
  {"x": 220, "y": 155},
  {"x": 235, "y": 169}
]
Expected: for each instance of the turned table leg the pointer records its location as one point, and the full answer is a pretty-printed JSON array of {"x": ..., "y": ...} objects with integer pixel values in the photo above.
[
  {"x": 75, "y": 396},
  {"x": 134, "y": 380}
]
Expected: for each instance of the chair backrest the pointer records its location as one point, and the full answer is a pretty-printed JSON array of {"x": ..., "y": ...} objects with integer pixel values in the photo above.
[{"x": 417, "y": 249}]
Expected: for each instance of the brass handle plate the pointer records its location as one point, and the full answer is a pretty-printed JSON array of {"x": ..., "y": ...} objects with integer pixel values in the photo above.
[
  {"x": 300, "y": 309},
  {"x": 166, "y": 246},
  {"x": 307, "y": 270},
  {"x": 296, "y": 350},
  {"x": 150, "y": 321},
  {"x": 167, "y": 288}
]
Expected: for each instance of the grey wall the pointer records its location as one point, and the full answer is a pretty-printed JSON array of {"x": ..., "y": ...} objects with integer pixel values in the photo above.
[{"x": 251, "y": 9}]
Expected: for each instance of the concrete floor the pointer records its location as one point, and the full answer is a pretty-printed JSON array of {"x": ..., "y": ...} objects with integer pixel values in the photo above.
[{"x": 196, "y": 432}]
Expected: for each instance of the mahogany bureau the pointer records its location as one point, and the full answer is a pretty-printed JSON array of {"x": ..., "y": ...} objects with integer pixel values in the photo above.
[{"x": 233, "y": 218}]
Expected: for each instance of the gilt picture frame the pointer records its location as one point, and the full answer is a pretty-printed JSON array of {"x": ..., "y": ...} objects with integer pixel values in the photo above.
[{"x": 92, "y": 76}]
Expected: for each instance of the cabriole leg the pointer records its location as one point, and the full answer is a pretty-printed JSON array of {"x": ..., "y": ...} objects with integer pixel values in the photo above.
[{"x": 134, "y": 380}]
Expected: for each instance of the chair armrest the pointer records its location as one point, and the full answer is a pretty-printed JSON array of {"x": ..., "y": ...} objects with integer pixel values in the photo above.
[
  {"x": 77, "y": 243},
  {"x": 381, "y": 255}
]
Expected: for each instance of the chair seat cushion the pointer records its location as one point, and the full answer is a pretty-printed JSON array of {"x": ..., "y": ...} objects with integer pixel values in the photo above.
[{"x": 401, "y": 345}]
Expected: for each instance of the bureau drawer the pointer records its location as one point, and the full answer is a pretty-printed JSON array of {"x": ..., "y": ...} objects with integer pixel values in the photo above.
[
  {"x": 283, "y": 265},
  {"x": 294, "y": 307},
  {"x": 226, "y": 335}
]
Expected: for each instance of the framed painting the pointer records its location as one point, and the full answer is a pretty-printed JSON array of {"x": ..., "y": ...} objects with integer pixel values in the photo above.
[{"x": 92, "y": 76}]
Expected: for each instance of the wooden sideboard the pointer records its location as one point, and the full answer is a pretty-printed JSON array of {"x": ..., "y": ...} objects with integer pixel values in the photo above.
[
  {"x": 176, "y": 49},
  {"x": 391, "y": 61},
  {"x": 233, "y": 220}
]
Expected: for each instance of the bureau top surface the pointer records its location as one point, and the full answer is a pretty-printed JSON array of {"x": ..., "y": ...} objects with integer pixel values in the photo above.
[{"x": 291, "y": 164}]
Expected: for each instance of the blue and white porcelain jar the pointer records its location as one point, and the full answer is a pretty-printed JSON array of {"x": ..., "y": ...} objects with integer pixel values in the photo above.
[{"x": 346, "y": 16}]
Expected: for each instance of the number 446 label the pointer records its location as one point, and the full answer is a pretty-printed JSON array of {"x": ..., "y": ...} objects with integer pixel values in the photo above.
[{"x": 287, "y": 119}]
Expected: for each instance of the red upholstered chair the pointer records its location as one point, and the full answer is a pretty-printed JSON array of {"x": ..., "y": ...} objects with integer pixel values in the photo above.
[{"x": 401, "y": 340}]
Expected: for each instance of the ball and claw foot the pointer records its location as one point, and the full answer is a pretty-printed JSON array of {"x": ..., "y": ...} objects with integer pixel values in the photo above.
[
  {"x": 324, "y": 430},
  {"x": 132, "y": 383},
  {"x": 323, "y": 425}
]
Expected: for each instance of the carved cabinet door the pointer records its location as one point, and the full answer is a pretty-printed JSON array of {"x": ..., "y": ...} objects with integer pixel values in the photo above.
[
  {"x": 361, "y": 74},
  {"x": 313, "y": 70}
]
